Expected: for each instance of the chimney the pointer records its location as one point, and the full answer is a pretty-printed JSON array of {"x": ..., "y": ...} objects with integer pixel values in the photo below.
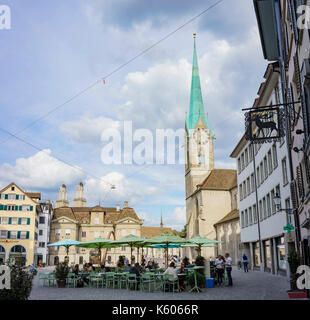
[
  {"x": 125, "y": 204},
  {"x": 117, "y": 207}
]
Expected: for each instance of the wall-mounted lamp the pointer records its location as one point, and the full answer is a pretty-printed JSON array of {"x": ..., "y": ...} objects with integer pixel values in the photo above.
[{"x": 299, "y": 131}]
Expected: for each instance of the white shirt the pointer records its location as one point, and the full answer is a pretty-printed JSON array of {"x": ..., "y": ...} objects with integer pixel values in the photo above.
[
  {"x": 219, "y": 263},
  {"x": 228, "y": 262},
  {"x": 173, "y": 271}
]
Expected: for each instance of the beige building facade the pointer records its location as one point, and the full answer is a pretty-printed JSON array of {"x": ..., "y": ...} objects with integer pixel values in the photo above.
[
  {"x": 228, "y": 232},
  {"x": 87, "y": 223},
  {"x": 19, "y": 211}
]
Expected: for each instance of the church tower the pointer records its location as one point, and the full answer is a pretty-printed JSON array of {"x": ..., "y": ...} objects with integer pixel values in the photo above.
[
  {"x": 199, "y": 153},
  {"x": 62, "y": 200},
  {"x": 79, "y": 200}
]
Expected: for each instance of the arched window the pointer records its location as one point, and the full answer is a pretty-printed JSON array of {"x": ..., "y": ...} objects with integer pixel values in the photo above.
[
  {"x": 2, "y": 255},
  {"x": 56, "y": 260},
  {"x": 17, "y": 255},
  {"x": 18, "y": 249},
  {"x": 109, "y": 259},
  {"x": 81, "y": 260}
]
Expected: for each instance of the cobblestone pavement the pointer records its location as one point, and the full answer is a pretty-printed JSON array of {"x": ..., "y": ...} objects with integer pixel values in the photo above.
[{"x": 253, "y": 285}]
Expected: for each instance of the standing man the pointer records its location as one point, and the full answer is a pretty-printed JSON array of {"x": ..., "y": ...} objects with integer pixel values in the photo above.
[
  {"x": 228, "y": 265},
  {"x": 245, "y": 262}
]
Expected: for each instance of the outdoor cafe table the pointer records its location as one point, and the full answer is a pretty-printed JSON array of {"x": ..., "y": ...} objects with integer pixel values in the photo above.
[{"x": 195, "y": 277}]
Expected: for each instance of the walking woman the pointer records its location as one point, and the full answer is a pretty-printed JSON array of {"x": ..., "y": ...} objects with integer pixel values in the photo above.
[
  {"x": 219, "y": 266},
  {"x": 245, "y": 262}
]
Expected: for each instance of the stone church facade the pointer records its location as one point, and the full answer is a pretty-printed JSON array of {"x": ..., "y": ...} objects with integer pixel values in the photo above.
[{"x": 211, "y": 194}]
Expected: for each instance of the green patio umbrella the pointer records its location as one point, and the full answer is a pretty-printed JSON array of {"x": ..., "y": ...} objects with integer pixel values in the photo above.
[
  {"x": 167, "y": 239},
  {"x": 202, "y": 242},
  {"x": 98, "y": 243},
  {"x": 130, "y": 240},
  {"x": 67, "y": 243}
]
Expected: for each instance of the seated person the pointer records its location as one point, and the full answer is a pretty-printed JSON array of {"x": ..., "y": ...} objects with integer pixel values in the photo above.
[
  {"x": 135, "y": 270},
  {"x": 172, "y": 270},
  {"x": 76, "y": 270},
  {"x": 127, "y": 268},
  {"x": 182, "y": 278}
]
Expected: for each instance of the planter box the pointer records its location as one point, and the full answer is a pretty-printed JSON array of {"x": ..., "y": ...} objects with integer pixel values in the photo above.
[
  {"x": 61, "y": 283},
  {"x": 297, "y": 294}
]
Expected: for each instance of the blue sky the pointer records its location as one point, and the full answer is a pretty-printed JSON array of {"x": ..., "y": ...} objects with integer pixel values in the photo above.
[{"x": 55, "y": 49}]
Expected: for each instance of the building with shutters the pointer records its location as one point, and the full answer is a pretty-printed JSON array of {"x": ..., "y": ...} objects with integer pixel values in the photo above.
[
  {"x": 19, "y": 212},
  {"x": 285, "y": 38},
  {"x": 271, "y": 170},
  {"x": 45, "y": 217}
]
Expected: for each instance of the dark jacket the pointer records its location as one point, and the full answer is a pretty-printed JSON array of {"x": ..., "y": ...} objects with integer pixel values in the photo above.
[{"x": 135, "y": 271}]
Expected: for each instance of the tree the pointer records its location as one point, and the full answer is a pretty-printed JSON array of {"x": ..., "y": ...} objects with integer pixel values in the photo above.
[
  {"x": 21, "y": 284},
  {"x": 183, "y": 233}
]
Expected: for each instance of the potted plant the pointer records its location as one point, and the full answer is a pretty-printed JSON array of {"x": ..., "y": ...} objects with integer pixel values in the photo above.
[
  {"x": 61, "y": 274},
  {"x": 200, "y": 262},
  {"x": 293, "y": 261}
]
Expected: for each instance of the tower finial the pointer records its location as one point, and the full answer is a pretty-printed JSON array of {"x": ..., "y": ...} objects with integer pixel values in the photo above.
[
  {"x": 161, "y": 219},
  {"x": 194, "y": 35}
]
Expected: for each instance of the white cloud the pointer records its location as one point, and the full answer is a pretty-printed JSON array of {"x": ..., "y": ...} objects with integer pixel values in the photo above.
[
  {"x": 176, "y": 219},
  {"x": 87, "y": 129},
  {"x": 41, "y": 170},
  {"x": 125, "y": 189}
]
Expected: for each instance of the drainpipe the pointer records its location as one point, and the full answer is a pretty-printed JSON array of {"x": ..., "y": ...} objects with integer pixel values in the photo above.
[{"x": 287, "y": 126}]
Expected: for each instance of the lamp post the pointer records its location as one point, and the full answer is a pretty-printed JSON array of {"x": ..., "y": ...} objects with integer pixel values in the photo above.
[{"x": 289, "y": 211}]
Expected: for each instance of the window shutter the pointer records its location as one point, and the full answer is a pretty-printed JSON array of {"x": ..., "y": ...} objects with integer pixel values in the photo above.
[
  {"x": 20, "y": 208},
  {"x": 297, "y": 75},
  {"x": 5, "y": 207},
  {"x": 19, "y": 220},
  {"x": 9, "y": 234},
  {"x": 17, "y": 197},
  {"x": 28, "y": 220},
  {"x": 294, "y": 195},
  {"x": 18, "y": 234},
  {"x": 27, "y": 235},
  {"x": 16, "y": 208},
  {"x": 6, "y": 196},
  {"x": 1, "y": 206},
  {"x": 300, "y": 186},
  {"x": 10, "y": 220},
  {"x": 292, "y": 11},
  {"x": 31, "y": 208}
]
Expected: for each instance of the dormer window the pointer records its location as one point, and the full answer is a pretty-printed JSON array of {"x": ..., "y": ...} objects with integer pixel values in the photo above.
[{"x": 12, "y": 188}]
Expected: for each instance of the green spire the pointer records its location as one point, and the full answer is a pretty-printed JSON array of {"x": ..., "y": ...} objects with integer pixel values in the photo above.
[{"x": 196, "y": 109}]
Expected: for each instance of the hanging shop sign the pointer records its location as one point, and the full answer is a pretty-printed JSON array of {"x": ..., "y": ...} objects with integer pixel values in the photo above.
[{"x": 264, "y": 124}]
